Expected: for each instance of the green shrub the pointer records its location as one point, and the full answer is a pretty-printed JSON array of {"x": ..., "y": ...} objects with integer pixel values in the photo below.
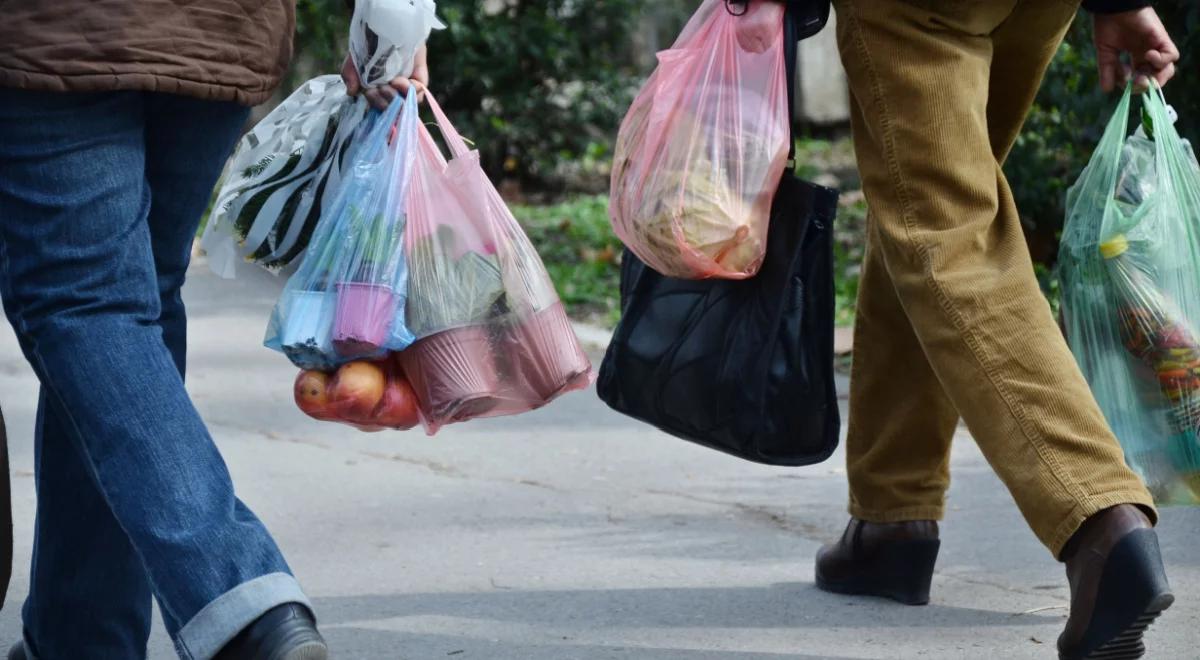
[{"x": 538, "y": 85}]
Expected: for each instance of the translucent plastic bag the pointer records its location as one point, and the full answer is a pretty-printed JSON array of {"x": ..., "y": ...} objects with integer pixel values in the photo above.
[
  {"x": 385, "y": 36},
  {"x": 1130, "y": 271},
  {"x": 493, "y": 336},
  {"x": 346, "y": 301},
  {"x": 701, "y": 150},
  {"x": 279, "y": 180}
]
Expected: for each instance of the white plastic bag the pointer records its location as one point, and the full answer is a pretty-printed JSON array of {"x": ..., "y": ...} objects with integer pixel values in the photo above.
[
  {"x": 274, "y": 187},
  {"x": 386, "y": 34}
]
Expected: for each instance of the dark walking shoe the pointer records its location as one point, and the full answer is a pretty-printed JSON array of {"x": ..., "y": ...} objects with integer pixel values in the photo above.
[
  {"x": 892, "y": 560},
  {"x": 17, "y": 652},
  {"x": 1118, "y": 586},
  {"x": 285, "y": 632}
]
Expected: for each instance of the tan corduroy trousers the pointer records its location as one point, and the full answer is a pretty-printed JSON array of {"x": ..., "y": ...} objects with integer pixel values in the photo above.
[{"x": 951, "y": 322}]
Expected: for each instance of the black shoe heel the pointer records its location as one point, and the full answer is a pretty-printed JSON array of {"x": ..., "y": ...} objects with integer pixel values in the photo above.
[
  {"x": 901, "y": 571},
  {"x": 1133, "y": 593}
]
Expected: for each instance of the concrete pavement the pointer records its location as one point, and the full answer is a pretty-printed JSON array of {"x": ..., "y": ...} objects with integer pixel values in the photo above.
[{"x": 572, "y": 533}]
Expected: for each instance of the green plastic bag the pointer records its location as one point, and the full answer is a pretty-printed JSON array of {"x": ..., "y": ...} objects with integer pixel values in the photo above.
[{"x": 1130, "y": 271}]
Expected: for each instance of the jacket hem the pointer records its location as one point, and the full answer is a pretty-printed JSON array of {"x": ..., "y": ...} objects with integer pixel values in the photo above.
[{"x": 143, "y": 82}]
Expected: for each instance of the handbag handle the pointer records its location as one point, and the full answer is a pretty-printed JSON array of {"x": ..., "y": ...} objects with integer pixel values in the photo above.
[
  {"x": 791, "y": 37},
  {"x": 801, "y": 20}
]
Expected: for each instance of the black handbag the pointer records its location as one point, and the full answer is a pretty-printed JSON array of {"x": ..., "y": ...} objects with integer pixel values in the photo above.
[{"x": 744, "y": 367}]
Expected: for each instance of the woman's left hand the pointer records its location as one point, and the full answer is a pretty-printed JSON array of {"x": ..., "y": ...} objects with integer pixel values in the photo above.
[{"x": 381, "y": 96}]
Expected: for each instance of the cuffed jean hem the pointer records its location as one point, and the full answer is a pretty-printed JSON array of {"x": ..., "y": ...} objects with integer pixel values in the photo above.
[
  {"x": 906, "y": 514},
  {"x": 1058, "y": 537},
  {"x": 212, "y": 627}
]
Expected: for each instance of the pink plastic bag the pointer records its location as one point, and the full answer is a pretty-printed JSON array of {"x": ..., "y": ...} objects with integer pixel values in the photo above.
[
  {"x": 702, "y": 148},
  {"x": 492, "y": 336}
]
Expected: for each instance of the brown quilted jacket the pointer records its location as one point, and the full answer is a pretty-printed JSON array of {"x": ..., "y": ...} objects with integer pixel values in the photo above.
[{"x": 226, "y": 50}]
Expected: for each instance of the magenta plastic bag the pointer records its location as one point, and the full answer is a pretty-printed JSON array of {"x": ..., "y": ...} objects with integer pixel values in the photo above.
[
  {"x": 492, "y": 336},
  {"x": 701, "y": 150}
]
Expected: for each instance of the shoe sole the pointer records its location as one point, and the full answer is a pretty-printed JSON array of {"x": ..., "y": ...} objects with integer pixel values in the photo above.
[
  {"x": 302, "y": 644},
  {"x": 315, "y": 650},
  {"x": 903, "y": 573},
  {"x": 1133, "y": 594},
  {"x": 1129, "y": 645}
]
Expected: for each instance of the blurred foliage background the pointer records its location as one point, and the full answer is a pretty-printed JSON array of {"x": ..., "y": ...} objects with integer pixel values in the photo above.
[{"x": 540, "y": 86}]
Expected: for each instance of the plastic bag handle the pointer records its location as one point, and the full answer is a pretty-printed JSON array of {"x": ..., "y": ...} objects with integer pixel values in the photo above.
[
  {"x": 1166, "y": 137},
  {"x": 456, "y": 143},
  {"x": 1112, "y": 140},
  {"x": 378, "y": 139}
]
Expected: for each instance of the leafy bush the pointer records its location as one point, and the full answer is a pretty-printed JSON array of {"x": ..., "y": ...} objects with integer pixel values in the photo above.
[
  {"x": 535, "y": 83},
  {"x": 538, "y": 85}
]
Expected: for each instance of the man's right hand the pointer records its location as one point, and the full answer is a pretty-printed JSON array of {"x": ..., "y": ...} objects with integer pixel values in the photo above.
[{"x": 1141, "y": 34}]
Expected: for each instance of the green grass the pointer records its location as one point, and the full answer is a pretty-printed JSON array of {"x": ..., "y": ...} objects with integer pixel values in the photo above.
[
  {"x": 577, "y": 244},
  {"x": 816, "y": 157},
  {"x": 849, "y": 231}
]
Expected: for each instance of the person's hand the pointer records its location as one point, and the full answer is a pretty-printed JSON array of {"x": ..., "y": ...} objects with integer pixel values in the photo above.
[
  {"x": 1141, "y": 34},
  {"x": 381, "y": 96},
  {"x": 758, "y": 27}
]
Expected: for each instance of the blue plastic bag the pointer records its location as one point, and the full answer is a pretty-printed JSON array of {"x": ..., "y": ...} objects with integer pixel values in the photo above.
[{"x": 347, "y": 299}]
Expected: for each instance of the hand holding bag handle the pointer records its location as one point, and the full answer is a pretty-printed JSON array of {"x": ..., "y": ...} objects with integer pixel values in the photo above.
[{"x": 807, "y": 17}]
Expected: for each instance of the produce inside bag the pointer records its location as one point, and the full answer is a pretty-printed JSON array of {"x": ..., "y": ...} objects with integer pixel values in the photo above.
[
  {"x": 1130, "y": 271},
  {"x": 368, "y": 395},
  {"x": 347, "y": 299},
  {"x": 1155, "y": 332},
  {"x": 700, "y": 153},
  {"x": 287, "y": 169},
  {"x": 493, "y": 338}
]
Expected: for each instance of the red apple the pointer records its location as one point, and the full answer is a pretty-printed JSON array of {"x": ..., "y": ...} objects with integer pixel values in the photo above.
[
  {"x": 399, "y": 407},
  {"x": 311, "y": 391},
  {"x": 356, "y": 391}
]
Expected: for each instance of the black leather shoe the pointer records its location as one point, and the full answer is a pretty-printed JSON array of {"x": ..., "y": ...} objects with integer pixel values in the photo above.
[
  {"x": 17, "y": 652},
  {"x": 1118, "y": 586},
  {"x": 285, "y": 632},
  {"x": 888, "y": 560}
]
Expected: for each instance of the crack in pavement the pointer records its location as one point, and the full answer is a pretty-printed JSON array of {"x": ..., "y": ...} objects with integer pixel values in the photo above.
[
  {"x": 433, "y": 466},
  {"x": 997, "y": 585},
  {"x": 440, "y": 469},
  {"x": 758, "y": 513}
]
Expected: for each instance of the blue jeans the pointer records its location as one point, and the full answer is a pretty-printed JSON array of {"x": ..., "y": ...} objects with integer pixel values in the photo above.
[{"x": 100, "y": 195}]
